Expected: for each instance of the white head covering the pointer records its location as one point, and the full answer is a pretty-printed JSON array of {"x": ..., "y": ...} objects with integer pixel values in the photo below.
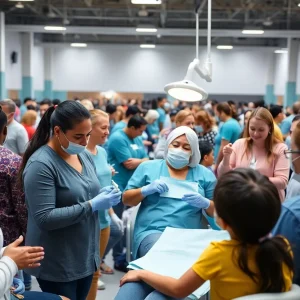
[
  {"x": 192, "y": 138},
  {"x": 152, "y": 115}
]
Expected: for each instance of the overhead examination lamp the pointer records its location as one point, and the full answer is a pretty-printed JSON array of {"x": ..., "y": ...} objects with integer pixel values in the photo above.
[{"x": 187, "y": 90}]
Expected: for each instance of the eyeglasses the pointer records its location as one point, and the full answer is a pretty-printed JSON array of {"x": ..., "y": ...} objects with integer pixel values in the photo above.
[{"x": 288, "y": 153}]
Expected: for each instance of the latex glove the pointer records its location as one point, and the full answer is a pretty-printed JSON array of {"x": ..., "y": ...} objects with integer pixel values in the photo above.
[
  {"x": 156, "y": 186},
  {"x": 196, "y": 200},
  {"x": 19, "y": 286},
  {"x": 107, "y": 198},
  {"x": 117, "y": 221}
]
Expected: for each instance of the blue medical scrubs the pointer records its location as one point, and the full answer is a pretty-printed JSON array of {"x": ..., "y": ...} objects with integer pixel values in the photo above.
[
  {"x": 230, "y": 131},
  {"x": 161, "y": 118},
  {"x": 120, "y": 149},
  {"x": 155, "y": 212},
  {"x": 104, "y": 176},
  {"x": 118, "y": 126},
  {"x": 288, "y": 225}
]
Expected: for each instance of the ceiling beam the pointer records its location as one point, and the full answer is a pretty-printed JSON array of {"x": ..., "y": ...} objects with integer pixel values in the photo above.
[{"x": 163, "y": 31}]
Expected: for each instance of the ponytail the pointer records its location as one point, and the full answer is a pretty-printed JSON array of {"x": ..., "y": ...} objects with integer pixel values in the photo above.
[
  {"x": 40, "y": 138},
  {"x": 270, "y": 257}
]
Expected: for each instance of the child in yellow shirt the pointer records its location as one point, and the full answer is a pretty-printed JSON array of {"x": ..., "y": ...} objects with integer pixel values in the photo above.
[{"x": 247, "y": 205}]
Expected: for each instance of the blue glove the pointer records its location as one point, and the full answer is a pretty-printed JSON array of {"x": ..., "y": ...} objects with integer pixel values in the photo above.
[
  {"x": 19, "y": 286},
  {"x": 107, "y": 198},
  {"x": 196, "y": 200},
  {"x": 156, "y": 186}
]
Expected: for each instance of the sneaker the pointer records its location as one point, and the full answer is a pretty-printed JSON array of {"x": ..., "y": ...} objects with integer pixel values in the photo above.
[{"x": 101, "y": 285}]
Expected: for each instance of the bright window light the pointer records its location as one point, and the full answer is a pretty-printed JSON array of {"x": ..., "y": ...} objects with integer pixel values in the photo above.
[
  {"x": 253, "y": 31},
  {"x": 146, "y": 30},
  {"x": 281, "y": 51},
  {"x": 146, "y": 2},
  {"x": 224, "y": 47},
  {"x": 79, "y": 45},
  {"x": 55, "y": 28},
  {"x": 147, "y": 46}
]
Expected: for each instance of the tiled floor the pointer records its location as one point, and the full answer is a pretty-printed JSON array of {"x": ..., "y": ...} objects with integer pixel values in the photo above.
[{"x": 111, "y": 283}]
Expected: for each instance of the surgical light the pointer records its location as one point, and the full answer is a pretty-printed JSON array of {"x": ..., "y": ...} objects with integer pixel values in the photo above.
[{"x": 187, "y": 90}]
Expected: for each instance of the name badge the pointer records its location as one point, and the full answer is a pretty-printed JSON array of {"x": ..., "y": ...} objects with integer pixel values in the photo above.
[{"x": 134, "y": 146}]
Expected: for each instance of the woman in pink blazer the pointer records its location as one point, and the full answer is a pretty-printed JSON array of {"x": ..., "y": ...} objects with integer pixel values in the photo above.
[{"x": 260, "y": 150}]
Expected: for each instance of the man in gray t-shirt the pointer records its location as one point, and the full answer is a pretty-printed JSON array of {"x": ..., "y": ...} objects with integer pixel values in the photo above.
[{"x": 17, "y": 137}]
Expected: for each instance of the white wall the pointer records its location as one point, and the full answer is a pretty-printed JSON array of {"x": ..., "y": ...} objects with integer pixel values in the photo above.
[
  {"x": 127, "y": 68},
  {"x": 38, "y": 68},
  {"x": 13, "y": 71}
]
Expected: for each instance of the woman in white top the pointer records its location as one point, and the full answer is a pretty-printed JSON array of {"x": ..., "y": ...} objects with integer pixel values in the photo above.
[{"x": 13, "y": 258}]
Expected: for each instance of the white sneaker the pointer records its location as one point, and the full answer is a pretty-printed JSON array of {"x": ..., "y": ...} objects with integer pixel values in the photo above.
[{"x": 101, "y": 285}]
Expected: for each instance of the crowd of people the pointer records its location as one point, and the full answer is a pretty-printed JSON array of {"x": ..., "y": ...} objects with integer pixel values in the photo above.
[{"x": 71, "y": 171}]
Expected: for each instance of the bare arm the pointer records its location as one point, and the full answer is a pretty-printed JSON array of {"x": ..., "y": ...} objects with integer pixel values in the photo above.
[
  {"x": 177, "y": 288},
  {"x": 220, "y": 155},
  {"x": 133, "y": 197},
  {"x": 133, "y": 163}
]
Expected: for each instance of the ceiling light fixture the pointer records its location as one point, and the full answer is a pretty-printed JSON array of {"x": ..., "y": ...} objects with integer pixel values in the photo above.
[
  {"x": 55, "y": 28},
  {"x": 147, "y": 46},
  {"x": 19, "y": 5},
  {"x": 187, "y": 90},
  {"x": 253, "y": 31},
  {"x": 224, "y": 47},
  {"x": 79, "y": 45},
  {"x": 140, "y": 29},
  {"x": 281, "y": 51},
  {"x": 21, "y": 0},
  {"x": 149, "y": 2},
  {"x": 299, "y": 4}
]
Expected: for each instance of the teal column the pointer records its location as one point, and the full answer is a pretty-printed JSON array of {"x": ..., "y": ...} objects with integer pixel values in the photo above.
[
  {"x": 3, "y": 91},
  {"x": 270, "y": 97},
  {"x": 48, "y": 89},
  {"x": 290, "y": 94},
  {"x": 27, "y": 87}
]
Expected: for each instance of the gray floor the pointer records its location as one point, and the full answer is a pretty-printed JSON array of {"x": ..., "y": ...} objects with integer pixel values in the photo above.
[{"x": 111, "y": 283}]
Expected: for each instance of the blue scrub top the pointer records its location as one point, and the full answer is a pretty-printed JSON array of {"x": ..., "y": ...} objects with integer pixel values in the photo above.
[
  {"x": 288, "y": 225},
  {"x": 120, "y": 149},
  {"x": 118, "y": 126},
  {"x": 153, "y": 129},
  {"x": 104, "y": 176},
  {"x": 156, "y": 213},
  {"x": 230, "y": 131},
  {"x": 161, "y": 118},
  {"x": 286, "y": 124}
]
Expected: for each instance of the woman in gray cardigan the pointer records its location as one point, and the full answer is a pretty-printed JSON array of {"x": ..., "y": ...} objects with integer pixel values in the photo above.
[{"x": 63, "y": 195}]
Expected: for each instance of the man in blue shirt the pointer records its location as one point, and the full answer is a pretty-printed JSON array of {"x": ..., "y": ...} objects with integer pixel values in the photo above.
[
  {"x": 130, "y": 112},
  {"x": 229, "y": 132},
  {"x": 162, "y": 114},
  {"x": 126, "y": 152},
  {"x": 288, "y": 224},
  {"x": 287, "y": 122}
]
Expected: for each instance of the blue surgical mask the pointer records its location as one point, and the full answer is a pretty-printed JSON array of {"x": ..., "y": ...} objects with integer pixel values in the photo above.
[
  {"x": 198, "y": 128},
  {"x": 73, "y": 148},
  {"x": 178, "y": 158}
]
